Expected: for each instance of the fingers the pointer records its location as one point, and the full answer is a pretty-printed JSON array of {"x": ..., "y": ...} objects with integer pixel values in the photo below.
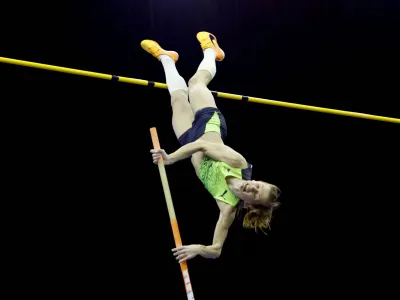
[
  {"x": 181, "y": 257},
  {"x": 182, "y": 260},
  {"x": 157, "y": 151},
  {"x": 157, "y": 155},
  {"x": 181, "y": 254},
  {"x": 179, "y": 250},
  {"x": 156, "y": 158}
]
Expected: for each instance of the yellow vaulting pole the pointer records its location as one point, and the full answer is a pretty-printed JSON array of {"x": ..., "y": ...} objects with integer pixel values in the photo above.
[
  {"x": 171, "y": 212},
  {"x": 217, "y": 94}
]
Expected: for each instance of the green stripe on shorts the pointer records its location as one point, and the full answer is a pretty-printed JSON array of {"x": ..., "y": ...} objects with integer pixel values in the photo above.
[{"x": 214, "y": 124}]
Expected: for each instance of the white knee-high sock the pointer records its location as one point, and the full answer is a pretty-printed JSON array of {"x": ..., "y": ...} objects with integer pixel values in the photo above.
[
  {"x": 174, "y": 80},
  {"x": 208, "y": 62}
]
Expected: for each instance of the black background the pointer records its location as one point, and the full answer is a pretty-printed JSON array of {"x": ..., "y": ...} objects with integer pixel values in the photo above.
[{"x": 88, "y": 204}]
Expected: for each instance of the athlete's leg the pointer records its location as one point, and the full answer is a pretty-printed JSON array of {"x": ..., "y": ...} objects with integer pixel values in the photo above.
[
  {"x": 182, "y": 114},
  {"x": 200, "y": 96}
]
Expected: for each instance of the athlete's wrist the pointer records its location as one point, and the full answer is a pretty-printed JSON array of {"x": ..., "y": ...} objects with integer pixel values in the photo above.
[
  {"x": 210, "y": 251},
  {"x": 172, "y": 158}
]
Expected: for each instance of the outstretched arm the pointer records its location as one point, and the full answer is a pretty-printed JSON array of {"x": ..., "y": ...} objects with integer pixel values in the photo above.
[
  {"x": 184, "y": 253},
  {"x": 187, "y": 151},
  {"x": 221, "y": 232},
  {"x": 182, "y": 153}
]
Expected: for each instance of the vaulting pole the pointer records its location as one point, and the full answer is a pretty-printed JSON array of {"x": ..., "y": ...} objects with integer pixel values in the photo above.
[{"x": 171, "y": 212}]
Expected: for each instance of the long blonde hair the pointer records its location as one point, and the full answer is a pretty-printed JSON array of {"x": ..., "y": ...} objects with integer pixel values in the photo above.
[{"x": 260, "y": 216}]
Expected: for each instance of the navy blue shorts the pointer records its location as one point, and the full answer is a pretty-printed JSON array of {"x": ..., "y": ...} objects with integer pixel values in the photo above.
[{"x": 208, "y": 119}]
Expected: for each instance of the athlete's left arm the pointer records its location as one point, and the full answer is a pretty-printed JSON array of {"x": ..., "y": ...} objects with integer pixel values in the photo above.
[{"x": 225, "y": 221}]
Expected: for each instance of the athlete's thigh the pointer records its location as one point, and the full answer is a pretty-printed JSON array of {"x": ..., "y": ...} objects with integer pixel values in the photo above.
[
  {"x": 200, "y": 97},
  {"x": 182, "y": 113}
]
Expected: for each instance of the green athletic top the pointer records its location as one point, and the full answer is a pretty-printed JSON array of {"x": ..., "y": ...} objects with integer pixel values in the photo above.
[{"x": 213, "y": 176}]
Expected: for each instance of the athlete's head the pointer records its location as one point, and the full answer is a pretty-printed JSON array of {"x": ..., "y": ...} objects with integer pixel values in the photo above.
[{"x": 260, "y": 200}]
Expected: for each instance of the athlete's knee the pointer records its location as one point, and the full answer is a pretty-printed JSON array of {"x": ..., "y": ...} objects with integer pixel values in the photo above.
[
  {"x": 195, "y": 80},
  {"x": 179, "y": 96},
  {"x": 180, "y": 103},
  {"x": 200, "y": 78},
  {"x": 197, "y": 88}
]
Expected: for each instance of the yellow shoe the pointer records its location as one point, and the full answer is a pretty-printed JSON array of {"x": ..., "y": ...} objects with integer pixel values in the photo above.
[
  {"x": 208, "y": 40},
  {"x": 155, "y": 49}
]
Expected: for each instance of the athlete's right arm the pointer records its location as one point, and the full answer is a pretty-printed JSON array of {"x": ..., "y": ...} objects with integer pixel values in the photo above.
[
  {"x": 182, "y": 153},
  {"x": 221, "y": 152},
  {"x": 218, "y": 152},
  {"x": 187, "y": 151}
]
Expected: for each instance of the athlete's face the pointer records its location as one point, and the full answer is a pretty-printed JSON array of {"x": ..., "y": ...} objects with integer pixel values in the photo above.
[{"x": 255, "y": 192}]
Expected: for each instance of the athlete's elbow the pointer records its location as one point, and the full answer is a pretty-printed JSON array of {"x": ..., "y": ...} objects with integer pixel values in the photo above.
[
  {"x": 202, "y": 145},
  {"x": 239, "y": 162},
  {"x": 218, "y": 254},
  {"x": 217, "y": 251},
  {"x": 213, "y": 150}
]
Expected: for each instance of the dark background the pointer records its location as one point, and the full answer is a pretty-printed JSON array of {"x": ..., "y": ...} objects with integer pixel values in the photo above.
[{"x": 88, "y": 205}]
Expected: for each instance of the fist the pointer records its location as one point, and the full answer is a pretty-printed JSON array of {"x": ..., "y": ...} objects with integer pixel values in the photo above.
[{"x": 158, "y": 154}]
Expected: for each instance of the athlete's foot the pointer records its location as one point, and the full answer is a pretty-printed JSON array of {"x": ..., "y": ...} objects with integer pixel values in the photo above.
[
  {"x": 155, "y": 49},
  {"x": 208, "y": 40}
]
